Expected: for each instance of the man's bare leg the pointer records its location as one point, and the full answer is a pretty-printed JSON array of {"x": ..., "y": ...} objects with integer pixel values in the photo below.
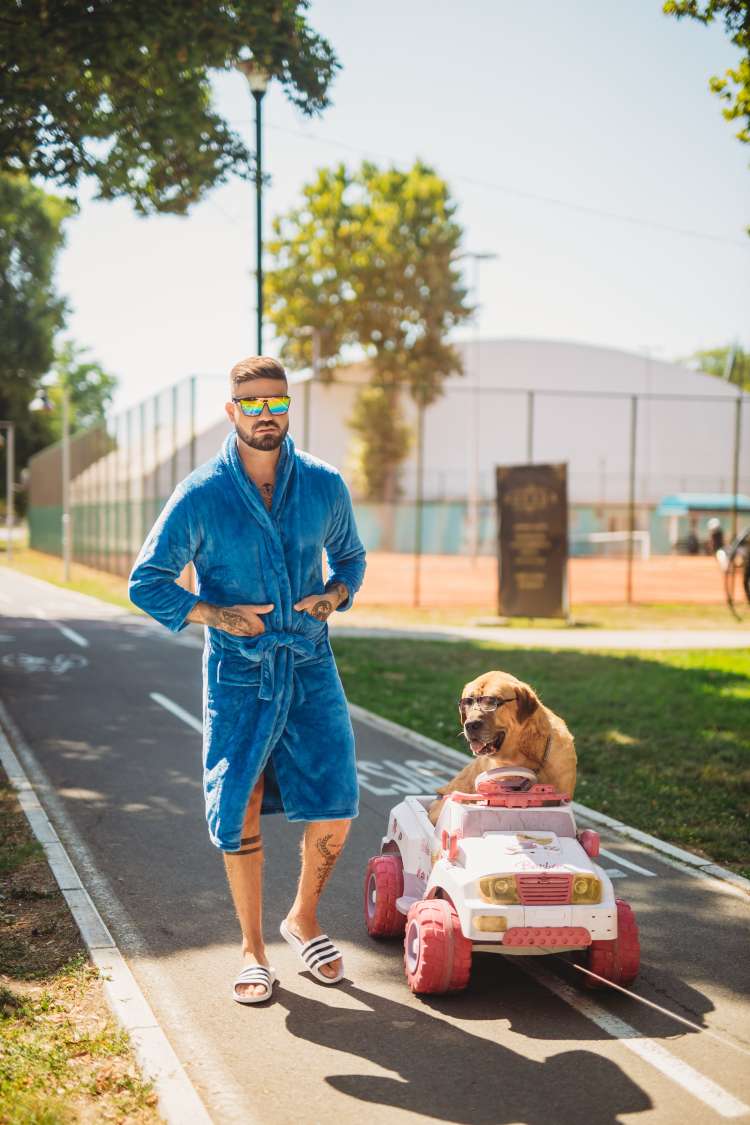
[
  {"x": 245, "y": 875},
  {"x": 322, "y": 844}
]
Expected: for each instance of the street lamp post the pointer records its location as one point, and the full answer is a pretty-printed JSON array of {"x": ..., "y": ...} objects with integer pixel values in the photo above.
[
  {"x": 308, "y": 330},
  {"x": 473, "y": 498},
  {"x": 67, "y": 536},
  {"x": 258, "y": 79},
  {"x": 10, "y": 472},
  {"x": 43, "y": 402}
]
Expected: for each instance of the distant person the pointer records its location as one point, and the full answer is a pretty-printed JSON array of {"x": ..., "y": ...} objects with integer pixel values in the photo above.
[
  {"x": 715, "y": 543},
  {"x": 692, "y": 542},
  {"x": 277, "y": 736},
  {"x": 715, "y": 539}
]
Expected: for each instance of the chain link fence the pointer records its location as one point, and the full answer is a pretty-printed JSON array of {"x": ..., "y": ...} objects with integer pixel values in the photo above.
[{"x": 625, "y": 454}]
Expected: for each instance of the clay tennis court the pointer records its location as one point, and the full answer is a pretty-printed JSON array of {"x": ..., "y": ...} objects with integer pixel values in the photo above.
[{"x": 456, "y": 580}]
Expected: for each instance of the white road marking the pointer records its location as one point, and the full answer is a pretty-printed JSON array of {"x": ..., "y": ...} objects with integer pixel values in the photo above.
[
  {"x": 415, "y": 775},
  {"x": 614, "y": 873},
  {"x": 175, "y": 709},
  {"x": 705, "y": 1089},
  {"x": 57, "y": 665},
  {"x": 4, "y": 599},
  {"x": 627, "y": 863},
  {"x": 66, "y": 632},
  {"x": 664, "y": 1011}
]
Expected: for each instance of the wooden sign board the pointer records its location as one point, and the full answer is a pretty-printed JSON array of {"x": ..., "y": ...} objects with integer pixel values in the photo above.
[{"x": 532, "y": 522}]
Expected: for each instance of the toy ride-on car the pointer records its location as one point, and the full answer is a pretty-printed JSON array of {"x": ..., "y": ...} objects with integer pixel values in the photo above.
[{"x": 504, "y": 870}]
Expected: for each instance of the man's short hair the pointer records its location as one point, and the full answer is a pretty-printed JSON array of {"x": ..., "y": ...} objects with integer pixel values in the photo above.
[{"x": 256, "y": 367}]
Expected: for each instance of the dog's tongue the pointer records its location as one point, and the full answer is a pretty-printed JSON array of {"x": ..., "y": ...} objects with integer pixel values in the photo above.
[{"x": 476, "y": 747}]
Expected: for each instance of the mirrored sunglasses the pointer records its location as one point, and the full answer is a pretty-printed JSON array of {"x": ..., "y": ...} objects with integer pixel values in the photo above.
[
  {"x": 483, "y": 702},
  {"x": 252, "y": 407}
]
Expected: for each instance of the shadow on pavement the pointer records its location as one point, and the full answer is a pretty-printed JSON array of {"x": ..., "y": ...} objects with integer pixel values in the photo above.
[{"x": 450, "y": 1074}]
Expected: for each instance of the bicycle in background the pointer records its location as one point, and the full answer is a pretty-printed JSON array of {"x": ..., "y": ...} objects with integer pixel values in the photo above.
[{"x": 735, "y": 564}]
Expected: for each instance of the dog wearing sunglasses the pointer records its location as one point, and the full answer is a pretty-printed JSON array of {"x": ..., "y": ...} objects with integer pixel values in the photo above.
[{"x": 506, "y": 724}]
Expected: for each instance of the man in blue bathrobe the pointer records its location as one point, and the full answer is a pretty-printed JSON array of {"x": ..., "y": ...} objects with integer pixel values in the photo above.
[{"x": 277, "y": 736}]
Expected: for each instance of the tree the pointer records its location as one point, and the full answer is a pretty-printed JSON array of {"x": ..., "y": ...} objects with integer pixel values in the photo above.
[
  {"x": 119, "y": 90},
  {"x": 90, "y": 388},
  {"x": 734, "y": 87},
  {"x": 30, "y": 310},
  {"x": 716, "y": 361},
  {"x": 368, "y": 260}
]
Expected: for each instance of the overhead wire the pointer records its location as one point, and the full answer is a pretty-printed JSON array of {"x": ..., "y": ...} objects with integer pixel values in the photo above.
[{"x": 535, "y": 197}]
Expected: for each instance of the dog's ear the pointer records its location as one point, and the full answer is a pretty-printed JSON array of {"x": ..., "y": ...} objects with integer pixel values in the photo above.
[{"x": 526, "y": 703}]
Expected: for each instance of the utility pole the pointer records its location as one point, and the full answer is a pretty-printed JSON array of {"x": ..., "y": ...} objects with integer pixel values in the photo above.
[
  {"x": 258, "y": 79},
  {"x": 473, "y": 492},
  {"x": 10, "y": 473}
]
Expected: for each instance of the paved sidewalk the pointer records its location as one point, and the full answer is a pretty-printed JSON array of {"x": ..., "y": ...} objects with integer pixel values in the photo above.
[{"x": 572, "y": 638}]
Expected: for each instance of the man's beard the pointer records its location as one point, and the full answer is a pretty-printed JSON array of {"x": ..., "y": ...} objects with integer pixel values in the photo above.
[{"x": 266, "y": 439}]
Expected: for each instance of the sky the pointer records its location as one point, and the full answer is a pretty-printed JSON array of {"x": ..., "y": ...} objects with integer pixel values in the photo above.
[{"x": 579, "y": 140}]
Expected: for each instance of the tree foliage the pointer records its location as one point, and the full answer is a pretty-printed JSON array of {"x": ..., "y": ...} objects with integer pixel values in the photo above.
[
  {"x": 30, "y": 310},
  {"x": 368, "y": 260},
  {"x": 716, "y": 361},
  {"x": 734, "y": 86},
  {"x": 119, "y": 90},
  {"x": 90, "y": 389}
]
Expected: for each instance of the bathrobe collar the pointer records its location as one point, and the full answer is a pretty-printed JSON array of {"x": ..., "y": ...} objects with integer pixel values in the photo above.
[{"x": 250, "y": 494}]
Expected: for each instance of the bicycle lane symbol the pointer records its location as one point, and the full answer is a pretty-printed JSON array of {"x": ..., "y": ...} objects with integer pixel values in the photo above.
[{"x": 57, "y": 665}]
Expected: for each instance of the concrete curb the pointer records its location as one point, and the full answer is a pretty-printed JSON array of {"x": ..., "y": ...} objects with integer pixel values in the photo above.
[
  {"x": 584, "y": 640},
  {"x": 178, "y": 1100},
  {"x": 674, "y": 856}
]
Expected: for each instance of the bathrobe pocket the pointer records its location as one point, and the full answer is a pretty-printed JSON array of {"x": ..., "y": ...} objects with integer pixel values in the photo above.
[
  {"x": 308, "y": 625},
  {"x": 235, "y": 669}
]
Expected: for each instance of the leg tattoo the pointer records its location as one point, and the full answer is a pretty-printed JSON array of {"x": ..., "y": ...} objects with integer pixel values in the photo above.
[{"x": 326, "y": 863}]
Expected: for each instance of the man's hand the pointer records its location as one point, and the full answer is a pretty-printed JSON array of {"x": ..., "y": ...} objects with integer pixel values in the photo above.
[
  {"x": 239, "y": 620},
  {"x": 321, "y": 606}
]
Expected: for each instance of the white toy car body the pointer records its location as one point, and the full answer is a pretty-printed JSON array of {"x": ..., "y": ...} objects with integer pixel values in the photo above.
[{"x": 502, "y": 870}]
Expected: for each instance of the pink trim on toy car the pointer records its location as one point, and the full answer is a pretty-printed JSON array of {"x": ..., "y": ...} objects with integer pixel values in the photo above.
[
  {"x": 549, "y": 936},
  {"x": 589, "y": 841},
  {"x": 533, "y": 798},
  {"x": 544, "y": 890}
]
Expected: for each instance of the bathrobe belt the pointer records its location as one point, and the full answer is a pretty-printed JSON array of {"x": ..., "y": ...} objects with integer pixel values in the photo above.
[{"x": 264, "y": 652}]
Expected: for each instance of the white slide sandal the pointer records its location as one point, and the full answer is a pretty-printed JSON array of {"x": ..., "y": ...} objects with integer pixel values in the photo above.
[
  {"x": 317, "y": 951},
  {"x": 255, "y": 974}
]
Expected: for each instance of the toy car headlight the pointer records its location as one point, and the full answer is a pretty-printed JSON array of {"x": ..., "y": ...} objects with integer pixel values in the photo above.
[
  {"x": 499, "y": 888},
  {"x": 586, "y": 889}
]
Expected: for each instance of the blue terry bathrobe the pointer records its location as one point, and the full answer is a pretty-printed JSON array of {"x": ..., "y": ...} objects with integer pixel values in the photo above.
[{"x": 272, "y": 704}]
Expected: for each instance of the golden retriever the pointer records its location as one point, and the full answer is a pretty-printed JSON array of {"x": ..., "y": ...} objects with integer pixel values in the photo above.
[{"x": 506, "y": 724}]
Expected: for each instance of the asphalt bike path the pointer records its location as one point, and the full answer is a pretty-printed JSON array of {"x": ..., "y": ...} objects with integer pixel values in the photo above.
[{"x": 109, "y": 706}]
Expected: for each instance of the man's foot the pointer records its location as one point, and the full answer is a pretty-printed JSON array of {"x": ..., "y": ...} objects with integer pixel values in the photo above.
[
  {"x": 306, "y": 929},
  {"x": 251, "y": 989}
]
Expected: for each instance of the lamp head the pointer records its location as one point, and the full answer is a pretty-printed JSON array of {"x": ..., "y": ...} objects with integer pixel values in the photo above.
[{"x": 257, "y": 76}]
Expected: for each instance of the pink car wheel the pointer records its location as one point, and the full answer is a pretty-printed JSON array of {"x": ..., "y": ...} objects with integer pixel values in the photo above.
[
  {"x": 384, "y": 883},
  {"x": 437, "y": 956},
  {"x": 618, "y": 960}
]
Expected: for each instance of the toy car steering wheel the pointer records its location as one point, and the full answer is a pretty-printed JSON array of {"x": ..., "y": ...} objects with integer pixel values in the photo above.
[{"x": 515, "y": 778}]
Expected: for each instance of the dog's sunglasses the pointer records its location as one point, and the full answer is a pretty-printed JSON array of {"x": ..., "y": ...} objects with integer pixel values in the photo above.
[
  {"x": 252, "y": 407},
  {"x": 485, "y": 703}
]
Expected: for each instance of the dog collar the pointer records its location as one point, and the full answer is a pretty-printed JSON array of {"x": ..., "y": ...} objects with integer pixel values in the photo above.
[{"x": 546, "y": 750}]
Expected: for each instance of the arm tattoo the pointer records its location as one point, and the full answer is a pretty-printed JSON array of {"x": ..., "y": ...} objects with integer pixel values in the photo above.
[
  {"x": 222, "y": 617},
  {"x": 233, "y": 622},
  {"x": 338, "y": 588},
  {"x": 322, "y": 609},
  {"x": 327, "y": 863}
]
